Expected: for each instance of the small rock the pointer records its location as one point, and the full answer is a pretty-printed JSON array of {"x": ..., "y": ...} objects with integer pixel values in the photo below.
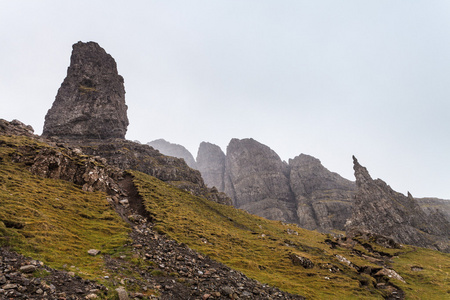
[
  {"x": 93, "y": 252},
  {"x": 39, "y": 291},
  {"x": 124, "y": 202},
  {"x": 122, "y": 293},
  {"x": 91, "y": 296},
  {"x": 28, "y": 269},
  {"x": 9, "y": 286},
  {"x": 206, "y": 296}
]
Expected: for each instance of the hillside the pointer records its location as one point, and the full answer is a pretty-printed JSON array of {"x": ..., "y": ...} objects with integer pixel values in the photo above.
[{"x": 146, "y": 242}]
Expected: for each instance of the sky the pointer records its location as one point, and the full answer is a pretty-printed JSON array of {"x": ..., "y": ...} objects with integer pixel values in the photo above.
[{"x": 329, "y": 79}]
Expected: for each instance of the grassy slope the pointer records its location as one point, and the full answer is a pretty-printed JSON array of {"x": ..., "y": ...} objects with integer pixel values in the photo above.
[
  {"x": 260, "y": 248},
  {"x": 54, "y": 220}
]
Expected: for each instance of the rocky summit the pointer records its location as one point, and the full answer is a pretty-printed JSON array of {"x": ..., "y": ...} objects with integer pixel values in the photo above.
[
  {"x": 302, "y": 192},
  {"x": 90, "y": 104},
  {"x": 256, "y": 179},
  {"x": 324, "y": 199},
  {"x": 381, "y": 210},
  {"x": 175, "y": 150},
  {"x": 211, "y": 163}
]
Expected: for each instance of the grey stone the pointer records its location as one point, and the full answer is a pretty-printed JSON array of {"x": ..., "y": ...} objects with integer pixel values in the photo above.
[
  {"x": 93, "y": 252},
  {"x": 122, "y": 293},
  {"x": 9, "y": 286},
  {"x": 28, "y": 269},
  {"x": 90, "y": 103}
]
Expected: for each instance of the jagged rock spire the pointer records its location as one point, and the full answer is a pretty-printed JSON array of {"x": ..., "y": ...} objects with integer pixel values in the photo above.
[
  {"x": 381, "y": 210},
  {"x": 90, "y": 103}
]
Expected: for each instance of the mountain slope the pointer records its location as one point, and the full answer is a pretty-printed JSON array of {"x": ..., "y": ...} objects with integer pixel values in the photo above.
[
  {"x": 292, "y": 258},
  {"x": 57, "y": 222}
]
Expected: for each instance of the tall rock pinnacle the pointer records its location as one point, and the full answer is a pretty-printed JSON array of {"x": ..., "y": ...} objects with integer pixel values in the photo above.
[
  {"x": 90, "y": 103},
  {"x": 381, "y": 210}
]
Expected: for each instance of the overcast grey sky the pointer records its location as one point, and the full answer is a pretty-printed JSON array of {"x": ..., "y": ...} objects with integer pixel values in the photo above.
[{"x": 325, "y": 78}]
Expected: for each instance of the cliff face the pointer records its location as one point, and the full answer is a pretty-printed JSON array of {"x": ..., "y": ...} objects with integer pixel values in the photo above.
[
  {"x": 256, "y": 179},
  {"x": 91, "y": 100},
  {"x": 303, "y": 192},
  {"x": 433, "y": 205},
  {"x": 323, "y": 198},
  {"x": 381, "y": 210},
  {"x": 174, "y": 150},
  {"x": 211, "y": 163}
]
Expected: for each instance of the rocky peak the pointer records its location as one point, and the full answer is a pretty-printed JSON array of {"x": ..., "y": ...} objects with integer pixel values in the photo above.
[
  {"x": 255, "y": 179},
  {"x": 381, "y": 210},
  {"x": 211, "y": 163},
  {"x": 90, "y": 104},
  {"x": 324, "y": 198},
  {"x": 174, "y": 150}
]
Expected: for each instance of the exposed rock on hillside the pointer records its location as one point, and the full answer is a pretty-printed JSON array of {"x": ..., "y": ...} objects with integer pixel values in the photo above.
[
  {"x": 256, "y": 179},
  {"x": 91, "y": 100},
  {"x": 324, "y": 199},
  {"x": 431, "y": 205},
  {"x": 130, "y": 155},
  {"x": 381, "y": 210},
  {"x": 303, "y": 192},
  {"x": 15, "y": 127},
  {"x": 211, "y": 163},
  {"x": 175, "y": 150}
]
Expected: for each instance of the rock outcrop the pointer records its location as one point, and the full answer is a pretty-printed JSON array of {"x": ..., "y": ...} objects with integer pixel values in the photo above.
[
  {"x": 433, "y": 205},
  {"x": 257, "y": 181},
  {"x": 174, "y": 150},
  {"x": 254, "y": 176},
  {"x": 90, "y": 103},
  {"x": 15, "y": 127},
  {"x": 211, "y": 163},
  {"x": 324, "y": 198},
  {"x": 381, "y": 210},
  {"x": 130, "y": 155}
]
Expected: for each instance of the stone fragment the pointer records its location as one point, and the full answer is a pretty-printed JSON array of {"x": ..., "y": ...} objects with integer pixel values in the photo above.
[
  {"x": 93, "y": 252},
  {"x": 390, "y": 273},
  {"x": 124, "y": 202},
  {"x": 28, "y": 269},
  {"x": 122, "y": 293},
  {"x": 9, "y": 286},
  {"x": 298, "y": 260}
]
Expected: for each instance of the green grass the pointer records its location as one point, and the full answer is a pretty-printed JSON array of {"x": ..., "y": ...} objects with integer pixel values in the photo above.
[
  {"x": 53, "y": 220},
  {"x": 260, "y": 248},
  {"x": 56, "y": 222}
]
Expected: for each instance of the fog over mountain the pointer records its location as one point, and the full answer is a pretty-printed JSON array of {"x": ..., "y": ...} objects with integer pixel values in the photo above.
[{"x": 325, "y": 78}]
